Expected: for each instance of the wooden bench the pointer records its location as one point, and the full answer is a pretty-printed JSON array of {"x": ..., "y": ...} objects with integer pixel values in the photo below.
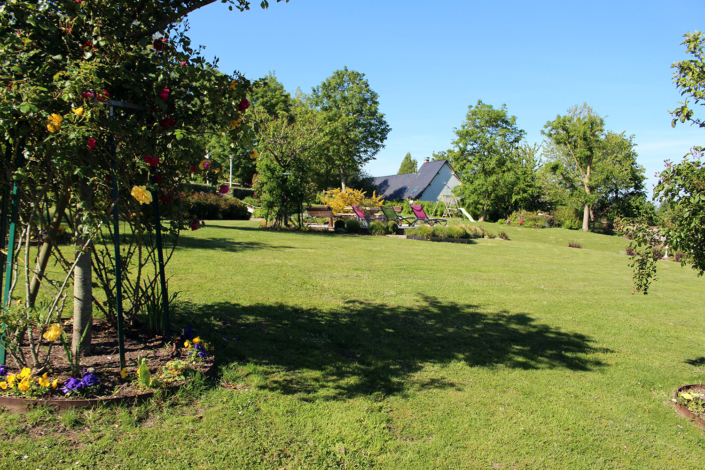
[{"x": 314, "y": 212}]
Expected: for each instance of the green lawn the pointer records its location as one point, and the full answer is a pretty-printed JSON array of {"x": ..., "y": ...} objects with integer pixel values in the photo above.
[{"x": 368, "y": 352}]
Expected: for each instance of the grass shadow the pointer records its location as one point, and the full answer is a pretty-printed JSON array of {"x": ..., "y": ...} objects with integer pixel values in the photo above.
[
  {"x": 225, "y": 244},
  {"x": 698, "y": 361},
  {"x": 364, "y": 348}
]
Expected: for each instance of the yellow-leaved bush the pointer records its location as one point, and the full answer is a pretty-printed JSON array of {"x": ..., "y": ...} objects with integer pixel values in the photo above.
[{"x": 337, "y": 199}]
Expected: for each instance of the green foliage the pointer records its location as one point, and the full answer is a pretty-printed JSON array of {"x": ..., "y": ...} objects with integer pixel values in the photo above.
[
  {"x": 144, "y": 376},
  {"x": 392, "y": 227},
  {"x": 207, "y": 206},
  {"x": 408, "y": 165},
  {"x": 356, "y": 128},
  {"x": 498, "y": 173},
  {"x": 339, "y": 225},
  {"x": 378, "y": 228},
  {"x": 567, "y": 217},
  {"x": 353, "y": 226}
]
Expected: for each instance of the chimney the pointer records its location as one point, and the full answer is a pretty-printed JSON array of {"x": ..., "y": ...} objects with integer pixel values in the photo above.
[{"x": 426, "y": 160}]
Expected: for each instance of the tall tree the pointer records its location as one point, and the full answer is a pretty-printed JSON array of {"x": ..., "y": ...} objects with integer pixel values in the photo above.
[
  {"x": 580, "y": 133},
  {"x": 408, "y": 165},
  {"x": 357, "y": 129},
  {"x": 482, "y": 157}
]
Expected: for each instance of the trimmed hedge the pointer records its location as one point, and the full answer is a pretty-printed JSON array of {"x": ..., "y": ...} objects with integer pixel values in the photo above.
[{"x": 215, "y": 207}]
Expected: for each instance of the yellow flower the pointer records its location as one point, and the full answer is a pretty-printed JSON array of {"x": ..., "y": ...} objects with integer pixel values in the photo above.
[
  {"x": 141, "y": 194},
  {"x": 53, "y": 333},
  {"x": 54, "y": 123},
  {"x": 187, "y": 344},
  {"x": 24, "y": 386},
  {"x": 3, "y": 385},
  {"x": 232, "y": 85},
  {"x": 26, "y": 372},
  {"x": 43, "y": 381},
  {"x": 123, "y": 373},
  {"x": 196, "y": 340},
  {"x": 233, "y": 124},
  {"x": 55, "y": 383},
  {"x": 77, "y": 111},
  {"x": 11, "y": 380},
  {"x": 254, "y": 155}
]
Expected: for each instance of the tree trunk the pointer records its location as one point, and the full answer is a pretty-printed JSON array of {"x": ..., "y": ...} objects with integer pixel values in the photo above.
[
  {"x": 82, "y": 288},
  {"x": 586, "y": 219},
  {"x": 45, "y": 251},
  {"x": 342, "y": 180}
]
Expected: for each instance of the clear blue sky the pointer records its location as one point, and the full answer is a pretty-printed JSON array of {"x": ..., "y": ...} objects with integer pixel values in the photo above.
[{"x": 429, "y": 60}]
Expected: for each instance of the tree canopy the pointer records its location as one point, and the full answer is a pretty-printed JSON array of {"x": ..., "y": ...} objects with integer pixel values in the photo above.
[{"x": 408, "y": 165}]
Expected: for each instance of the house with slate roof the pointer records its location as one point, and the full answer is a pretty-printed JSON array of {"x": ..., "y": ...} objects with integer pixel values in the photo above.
[{"x": 429, "y": 183}]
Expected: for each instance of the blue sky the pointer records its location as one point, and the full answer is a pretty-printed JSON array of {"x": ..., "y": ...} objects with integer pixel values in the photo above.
[{"x": 429, "y": 61}]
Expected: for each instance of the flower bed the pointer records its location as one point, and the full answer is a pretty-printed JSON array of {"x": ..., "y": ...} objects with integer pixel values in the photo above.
[
  {"x": 151, "y": 364},
  {"x": 690, "y": 402}
]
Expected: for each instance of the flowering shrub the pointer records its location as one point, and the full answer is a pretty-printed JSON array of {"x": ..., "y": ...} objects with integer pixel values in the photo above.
[
  {"x": 338, "y": 199},
  {"x": 530, "y": 219}
]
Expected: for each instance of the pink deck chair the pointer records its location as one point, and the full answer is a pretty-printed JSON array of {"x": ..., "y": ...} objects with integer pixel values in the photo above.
[
  {"x": 363, "y": 218},
  {"x": 422, "y": 217}
]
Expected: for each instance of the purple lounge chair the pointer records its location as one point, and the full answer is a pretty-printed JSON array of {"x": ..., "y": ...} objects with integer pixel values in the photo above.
[
  {"x": 422, "y": 217},
  {"x": 363, "y": 218}
]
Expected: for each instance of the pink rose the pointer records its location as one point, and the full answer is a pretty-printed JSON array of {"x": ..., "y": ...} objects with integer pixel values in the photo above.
[
  {"x": 164, "y": 94},
  {"x": 224, "y": 188},
  {"x": 206, "y": 165},
  {"x": 91, "y": 143},
  {"x": 183, "y": 63},
  {"x": 87, "y": 95}
]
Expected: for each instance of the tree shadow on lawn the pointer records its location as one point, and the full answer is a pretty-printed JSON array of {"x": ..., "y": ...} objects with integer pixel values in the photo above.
[
  {"x": 364, "y": 348},
  {"x": 225, "y": 244}
]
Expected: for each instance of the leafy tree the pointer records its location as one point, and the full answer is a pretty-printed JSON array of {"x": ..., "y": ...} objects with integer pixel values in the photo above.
[
  {"x": 357, "y": 130},
  {"x": 483, "y": 156},
  {"x": 580, "y": 134},
  {"x": 408, "y": 165},
  {"x": 681, "y": 186}
]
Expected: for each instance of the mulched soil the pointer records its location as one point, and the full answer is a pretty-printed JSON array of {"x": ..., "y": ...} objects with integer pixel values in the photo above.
[{"x": 104, "y": 360}]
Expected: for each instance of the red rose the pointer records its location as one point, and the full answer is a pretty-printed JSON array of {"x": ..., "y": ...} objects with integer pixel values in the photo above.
[
  {"x": 87, "y": 44},
  {"x": 166, "y": 198},
  {"x": 91, "y": 143},
  {"x": 157, "y": 179},
  {"x": 244, "y": 104},
  {"x": 166, "y": 123},
  {"x": 224, "y": 188},
  {"x": 159, "y": 44},
  {"x": 206, "y": 165},
  {"x": 183, "y": 63},
  {"x": 103, "y": 96},
  {"x": 149, "y": 160},
  {"x": 87, "y": 95},
  {"x": 195, "y": 224},
  {"x": 164, "y": 94},
  {"x": 193, "y": 169}
]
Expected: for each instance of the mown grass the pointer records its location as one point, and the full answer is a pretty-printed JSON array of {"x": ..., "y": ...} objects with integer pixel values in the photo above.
[{"x": 367, "y": 352}]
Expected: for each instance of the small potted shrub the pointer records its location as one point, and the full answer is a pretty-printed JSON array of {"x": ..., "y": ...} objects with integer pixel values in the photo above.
[{"x": 352, "y": 226}]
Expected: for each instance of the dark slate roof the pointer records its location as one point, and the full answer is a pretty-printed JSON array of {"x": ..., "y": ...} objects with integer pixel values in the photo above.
[{"x": 409, "y": 185}]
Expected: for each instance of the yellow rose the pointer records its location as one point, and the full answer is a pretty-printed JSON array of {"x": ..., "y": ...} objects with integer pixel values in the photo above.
[
  {"x": 53, "y": 333},
  {"x": 54, "y": 123},
  {"x": 26, "y": 372},
  {"x": 196, "y": 340},
  {"x": 77, "y": 111},
  {"x": 141, "y": 194}
]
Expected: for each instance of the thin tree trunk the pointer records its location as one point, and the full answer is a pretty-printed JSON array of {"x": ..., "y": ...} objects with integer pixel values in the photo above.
[
  {"x": 342, "y": 180},
  {"x": 586, "y": 219},
  {"x": 45, "y": 252},
  {"x": 82, "y": 287}
]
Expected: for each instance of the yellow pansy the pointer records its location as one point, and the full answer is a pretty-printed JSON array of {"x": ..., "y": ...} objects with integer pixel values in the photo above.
[
  {"x": 24, "y": 385},
  {"x": 123, "y": 373},
  {"x": 3, "y": 385},
  {"x": 43, "y": 381},
  {"x": 77, "y": 111},
  {"x": 187, "y": 344},
  {"x": 26, "y": 372},
  {"x": 196, "y": 340},
  {"x": 53, "y": 333},
  {"x": 11, "y": 380},
  {"x": 55, "y": 383},
  {"x": 142, "y": 195}
]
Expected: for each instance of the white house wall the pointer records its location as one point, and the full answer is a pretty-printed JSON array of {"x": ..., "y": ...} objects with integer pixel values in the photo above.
[{"x": 438, "y": 188}]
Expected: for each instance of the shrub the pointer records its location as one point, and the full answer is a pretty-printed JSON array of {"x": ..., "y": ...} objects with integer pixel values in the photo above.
[
  {"x": 574, "y": 245},
  {"x": 489, "y": 235},
  {"x": 567, "y": 217},
  {"x": 530, "y": 219},
  {"x": 480, "y": 232},
  {"x": 339, "y": 225},
  {"x": 352, "y": 226},
  {"x": 457, "y": 231},
  {"x": 338, "y": 199},
  {"x": 378, "y": 228},
  {"x": 442, "y": 232},
  {"x": 678, "y": 257},
  {"x": 503, "y": 235},
  {"x": 215, "y": 207},
  {"x": 392, "y": 227},
  {"x": 422, "y": 231}
]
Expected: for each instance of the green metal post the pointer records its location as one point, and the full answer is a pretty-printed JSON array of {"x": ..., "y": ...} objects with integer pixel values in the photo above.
[
  {"x": 160, "y": 257},
  {"x": 118, "y": 262},
  {"x": 3, "y": 231}
]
